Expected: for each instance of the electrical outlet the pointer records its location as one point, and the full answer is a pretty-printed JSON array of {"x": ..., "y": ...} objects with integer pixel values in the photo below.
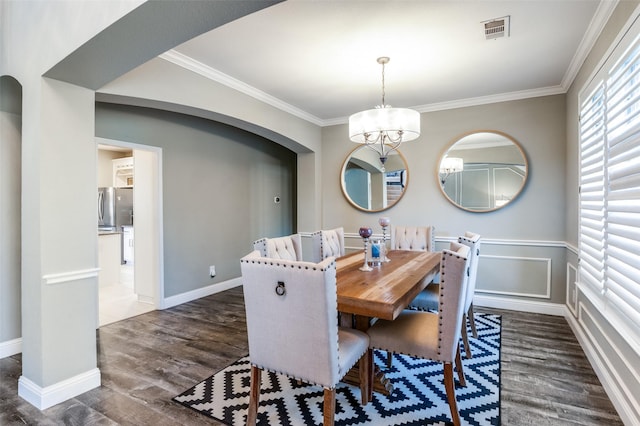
[{"x": 212, "y": 271}]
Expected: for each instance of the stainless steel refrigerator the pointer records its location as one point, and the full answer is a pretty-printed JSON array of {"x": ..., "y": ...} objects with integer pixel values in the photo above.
[{"x": 115, "y": 208}]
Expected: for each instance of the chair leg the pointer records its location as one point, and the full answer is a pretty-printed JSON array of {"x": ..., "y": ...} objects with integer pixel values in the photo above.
[
  {"x": 254, "y": 396},
  {"x": 465, "y": 336},
  {"x": 329, "y": 406},
  {"x": 389, "y": 359},
  {"x": 364, "y": 373},
  {"x": 451, "y": 393},
  {"x": 472, "y": 321},
  {"x": 461, "y": 378}
]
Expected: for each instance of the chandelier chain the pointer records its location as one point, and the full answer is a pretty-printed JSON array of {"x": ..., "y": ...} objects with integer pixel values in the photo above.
[{"x": 383, "y": 104}]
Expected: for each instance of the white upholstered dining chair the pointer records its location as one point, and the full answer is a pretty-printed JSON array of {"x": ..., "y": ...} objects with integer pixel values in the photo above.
[
  {"x": 415, "y": 238},
  {"x": 288, "y": 247},
  {"x": 420, "y": 238},
  {"x": 427, "y": 299},
  {"x": 429, "y": 335},
  {"x": 291, "y": 309},
  {"x": 328, "y": 243}
]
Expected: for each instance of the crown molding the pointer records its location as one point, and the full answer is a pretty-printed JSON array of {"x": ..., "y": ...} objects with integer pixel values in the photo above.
[
  {"x": 206, "y": 71},
  {"x": 469, "y": 102},
  {"x": 492, "y": 99},
  {"x": 600, "y": 18}
]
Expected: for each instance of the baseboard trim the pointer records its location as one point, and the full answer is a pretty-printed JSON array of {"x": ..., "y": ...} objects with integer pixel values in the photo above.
[
  {"x": 10, "y": 347},
  {"x": 532, "y": 306},
  {"x": 181, "y": 298},
  {"x": 478, "y": 300},
  {"x": 145, "y": 299},
  {"x": 43, "y": 398},
  {"x": 627, "y": 413}
]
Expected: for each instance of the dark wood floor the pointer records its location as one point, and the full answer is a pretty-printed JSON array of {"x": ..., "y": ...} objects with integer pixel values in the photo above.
[{"x": 147, "y": 360}]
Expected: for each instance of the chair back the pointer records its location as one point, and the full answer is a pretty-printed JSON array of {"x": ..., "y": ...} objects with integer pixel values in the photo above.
[
  {"x": 291, "y": 310},
  {"x": 327, "y": 243},
  {"x": 473, "y": 241},
  {"x": 454, "y": 269},
  {"x": 289, "y": 247},
  {"x": 419, "y": 238}
]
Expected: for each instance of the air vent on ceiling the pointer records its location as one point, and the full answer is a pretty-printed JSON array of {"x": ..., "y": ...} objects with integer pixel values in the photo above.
[{"x": 496, "y": 28}]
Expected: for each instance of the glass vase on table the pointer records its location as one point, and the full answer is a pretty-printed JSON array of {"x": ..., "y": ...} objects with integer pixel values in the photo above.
[{"x": 377, "y": 252}]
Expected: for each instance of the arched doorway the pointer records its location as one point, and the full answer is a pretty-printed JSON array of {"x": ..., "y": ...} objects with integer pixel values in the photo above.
[{"x": 10, "y": 216}]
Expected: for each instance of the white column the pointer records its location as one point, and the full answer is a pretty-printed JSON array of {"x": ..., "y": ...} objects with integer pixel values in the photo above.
[{"x": 59, "y": 243}]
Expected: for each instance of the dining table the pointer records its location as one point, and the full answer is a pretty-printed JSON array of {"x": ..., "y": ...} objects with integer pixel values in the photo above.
[{"x": 381, "y": 293}]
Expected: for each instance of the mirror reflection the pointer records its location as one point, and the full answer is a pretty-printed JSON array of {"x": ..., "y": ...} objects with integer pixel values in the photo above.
[
  {"x": 369, "y": 186},
  {"x": 483, "y": 171}
]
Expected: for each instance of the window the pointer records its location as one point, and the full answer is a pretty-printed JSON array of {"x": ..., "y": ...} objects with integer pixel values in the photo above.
[{"x": 609, "y": 245}]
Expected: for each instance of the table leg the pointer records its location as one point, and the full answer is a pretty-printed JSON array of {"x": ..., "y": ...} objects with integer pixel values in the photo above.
[{"x": 379, "y": 383}]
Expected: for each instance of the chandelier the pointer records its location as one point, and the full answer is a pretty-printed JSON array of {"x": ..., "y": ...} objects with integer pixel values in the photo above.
[
  {"x": 384, "y": 128},
  {"x": 450, "y": 165}
]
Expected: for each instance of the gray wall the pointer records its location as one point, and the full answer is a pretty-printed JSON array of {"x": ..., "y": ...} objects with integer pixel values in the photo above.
[
  {"x": 10, "y": 223},
  {"x": 219, "y": 185},
  {"x": 542, "y": 198},
  {"x": 199, "y": 154},
  {"x": 524, "y": 239}
]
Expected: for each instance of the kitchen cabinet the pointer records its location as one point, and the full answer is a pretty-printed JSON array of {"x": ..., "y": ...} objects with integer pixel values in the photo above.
[
  {"x": 123, "y": 172},
  {"x": 127, "y": 244},
  {"x": 109, "y": 258}
]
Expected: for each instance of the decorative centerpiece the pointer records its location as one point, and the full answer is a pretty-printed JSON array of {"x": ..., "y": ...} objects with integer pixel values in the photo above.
[
  {"x": 377, "y": 252},
  {"x": 365, "y": 232},
  {"x": 384, "y": 222}
]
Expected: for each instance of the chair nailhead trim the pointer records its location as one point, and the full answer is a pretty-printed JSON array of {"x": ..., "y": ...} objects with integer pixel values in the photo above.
[{"x": 307, "y": 267}]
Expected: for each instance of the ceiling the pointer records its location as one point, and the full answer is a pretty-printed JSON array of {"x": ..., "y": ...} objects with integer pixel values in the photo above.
[{"x": 317, "y": 59}]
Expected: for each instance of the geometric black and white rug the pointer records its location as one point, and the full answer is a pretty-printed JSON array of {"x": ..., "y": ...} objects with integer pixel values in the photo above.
[{"x": 418, "y": 396}]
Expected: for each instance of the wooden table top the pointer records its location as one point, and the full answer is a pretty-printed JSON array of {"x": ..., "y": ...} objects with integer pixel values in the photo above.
[{"x": 389, "y": 288}]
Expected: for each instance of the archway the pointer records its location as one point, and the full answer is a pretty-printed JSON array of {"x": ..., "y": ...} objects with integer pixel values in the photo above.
[{"x": 10, "y": 220}]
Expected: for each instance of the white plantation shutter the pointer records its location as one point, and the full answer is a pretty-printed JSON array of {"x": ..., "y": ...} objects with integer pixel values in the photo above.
[
  {"x": 609, "y": 243},
  {"x": 592, "y": 188},
  {"x": 622, "y": 263}
]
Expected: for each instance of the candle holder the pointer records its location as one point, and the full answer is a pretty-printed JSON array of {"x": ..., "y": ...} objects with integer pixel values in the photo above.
[
  {"x": 365, "y": 232},
  {"x": 384, "y": 222}
]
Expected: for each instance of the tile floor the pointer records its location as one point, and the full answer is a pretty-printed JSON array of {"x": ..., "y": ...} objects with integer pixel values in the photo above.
[{"x": 118, "y": 301}]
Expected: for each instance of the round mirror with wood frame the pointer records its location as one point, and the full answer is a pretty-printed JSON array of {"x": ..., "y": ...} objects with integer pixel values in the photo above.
[
  {"x": 370, "y": 187},
  {"x": 483, "y": 171}
]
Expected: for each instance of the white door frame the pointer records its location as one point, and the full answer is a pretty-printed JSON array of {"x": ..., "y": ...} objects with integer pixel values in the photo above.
[{"x": 155, "y": 256}]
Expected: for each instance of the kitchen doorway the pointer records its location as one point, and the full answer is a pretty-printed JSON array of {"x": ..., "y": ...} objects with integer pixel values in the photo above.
[{"x": 130, "y": 263}]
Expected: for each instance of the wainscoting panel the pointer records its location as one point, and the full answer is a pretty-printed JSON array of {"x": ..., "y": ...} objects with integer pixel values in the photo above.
[
  {"x": 613, "y": 361},
  {"x": 526, "y": 270},
  {"x": 514, "y": 276},
  {"x": 572, "y": 289}
]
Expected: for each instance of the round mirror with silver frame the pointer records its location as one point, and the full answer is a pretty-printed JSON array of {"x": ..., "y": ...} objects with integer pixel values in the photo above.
[
  {"x": 483, "y": 171},
  {"x": 370, "y": 187}
]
